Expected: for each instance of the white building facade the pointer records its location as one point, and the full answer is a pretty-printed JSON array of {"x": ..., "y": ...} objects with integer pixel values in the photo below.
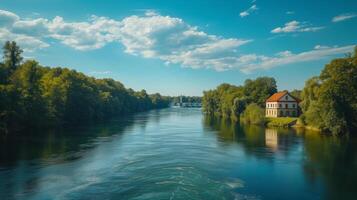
[{"x": 282, "y": 104}]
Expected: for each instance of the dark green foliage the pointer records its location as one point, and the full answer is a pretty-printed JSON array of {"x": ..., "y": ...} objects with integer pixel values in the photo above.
[
  {"x": 253, "y": 114},
  {"x": 260, "y": 89},
  {"x": 230, "y": 101},
  {"x": 12, "y": 57},
  {"x": 32, "y": 96},
  {"x": 238, "y": 107},
  {"x": 310, "y": 93},
  {"x": 26, "y": 79},
  {"x": 330, "y": 100},
  {"x": 296, "y": 93}
]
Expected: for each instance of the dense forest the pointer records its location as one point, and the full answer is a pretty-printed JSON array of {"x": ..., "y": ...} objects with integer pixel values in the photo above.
[
  {"x": 231, "y": 101},
  {"x": 33, "y": 96},
  {"x": 329, "y": 101}
]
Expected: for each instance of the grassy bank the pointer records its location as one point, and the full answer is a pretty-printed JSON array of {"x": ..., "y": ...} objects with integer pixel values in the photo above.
[{"x": 280, "y": 121}]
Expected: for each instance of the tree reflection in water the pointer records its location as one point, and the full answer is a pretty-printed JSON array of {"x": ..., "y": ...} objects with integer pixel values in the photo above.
[
  {"x": 61, "y": 145},
  {"x": 325, "y": 159}
]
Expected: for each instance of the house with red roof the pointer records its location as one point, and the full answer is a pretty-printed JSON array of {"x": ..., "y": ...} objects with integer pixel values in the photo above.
[{"x": 282, "y": 104}]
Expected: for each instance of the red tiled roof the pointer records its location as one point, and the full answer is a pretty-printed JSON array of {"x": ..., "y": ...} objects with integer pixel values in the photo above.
[{"x": 275, "y": 97}]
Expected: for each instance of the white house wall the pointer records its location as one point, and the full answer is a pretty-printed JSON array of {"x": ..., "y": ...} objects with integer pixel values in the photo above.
[{"x": 285, "y": 103}]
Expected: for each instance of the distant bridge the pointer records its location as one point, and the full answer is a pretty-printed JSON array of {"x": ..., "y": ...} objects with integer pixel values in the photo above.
[{"x": 187, "y": 104}]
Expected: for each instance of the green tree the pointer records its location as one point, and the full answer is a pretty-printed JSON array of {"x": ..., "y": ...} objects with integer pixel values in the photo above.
[
  {"x": 330, "y": 100},
  {"x": 32, "y": 96},
  {"x": 12, "y": 56},
  {"x": 238, "y": 107},
  {"x": 296, "y": 93},
  {"x": 310, "y": 93},
  {"x": 253, "y": 114},
  {"x": 229, "y": 101},
  {"x": 260, "y": 89},
  {"x": 3, "y": 74},
  {"x": 210, "y": 102},
  {"x": 27, "y": 80},
  {"x": 10, "y": 110}
]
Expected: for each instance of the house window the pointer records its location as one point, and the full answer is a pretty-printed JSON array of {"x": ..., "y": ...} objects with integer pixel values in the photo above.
[
  {"x": 279, "y": 105},
  {"x": 287, "y": 113},
  {"x": 286, "y": 97},
  {"x": 293, "y": 105},
  {"x": 286, "y": 105},
  {"x": 281, "y": 113}
]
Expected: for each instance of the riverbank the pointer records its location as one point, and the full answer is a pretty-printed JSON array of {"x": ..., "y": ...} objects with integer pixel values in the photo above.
[
  {"x": 272, "y": 122},
  {"x": 288, "y": 122},
  {"x": 280, "y": 121}
]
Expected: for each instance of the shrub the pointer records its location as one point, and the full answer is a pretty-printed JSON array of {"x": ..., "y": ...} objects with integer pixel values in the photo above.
[{"x": 253, "y": 114}]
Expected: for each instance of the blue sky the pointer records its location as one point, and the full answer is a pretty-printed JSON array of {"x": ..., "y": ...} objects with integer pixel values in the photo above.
[{"x": 183, "y": 47}]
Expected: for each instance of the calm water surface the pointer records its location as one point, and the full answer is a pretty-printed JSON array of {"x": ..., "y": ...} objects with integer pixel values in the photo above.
[{"x": 177, "y": 154}]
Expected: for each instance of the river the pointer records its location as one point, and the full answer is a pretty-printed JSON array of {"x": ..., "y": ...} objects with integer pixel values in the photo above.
[{"x": 177, "y": 153}]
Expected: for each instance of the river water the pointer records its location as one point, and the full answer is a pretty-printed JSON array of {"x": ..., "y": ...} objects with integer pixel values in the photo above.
[{"x": 177, "y": 153}]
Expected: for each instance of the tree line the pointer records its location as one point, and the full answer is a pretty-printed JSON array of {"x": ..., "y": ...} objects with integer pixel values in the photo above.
[
  {"x": 34, "y": 96},
  {"x": 230, "y": 101},
  {"x": 329, "y": 101}
]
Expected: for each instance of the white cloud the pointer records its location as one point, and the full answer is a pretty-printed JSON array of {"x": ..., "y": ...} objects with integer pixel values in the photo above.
[
  {"x": 155, "y": 36},
  {"x": 295, "y": 26},
  {"x": 36, "y": 27},
  {"x": 284, "y": 53},
  {"x": 28, "y": 43},
  {"x": 264, "y": 62},
  {"x": 244, "y": 14},
  {"x": 93, "y": 34},
  {"x": 100, "y": 72},
  {"x": 151, "y": 36},
  {"x": 343, "y": 17},
  {"x": 321, "y": 47},
  {"x": 173, "y": 41},
  {"x": 12, "y": 28},
  {"x": 84, "y": 35},
  {"x": 150, "y": 12},
  {"x": 7, "y": 18},
  {"x": 248, "y": 11}
]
